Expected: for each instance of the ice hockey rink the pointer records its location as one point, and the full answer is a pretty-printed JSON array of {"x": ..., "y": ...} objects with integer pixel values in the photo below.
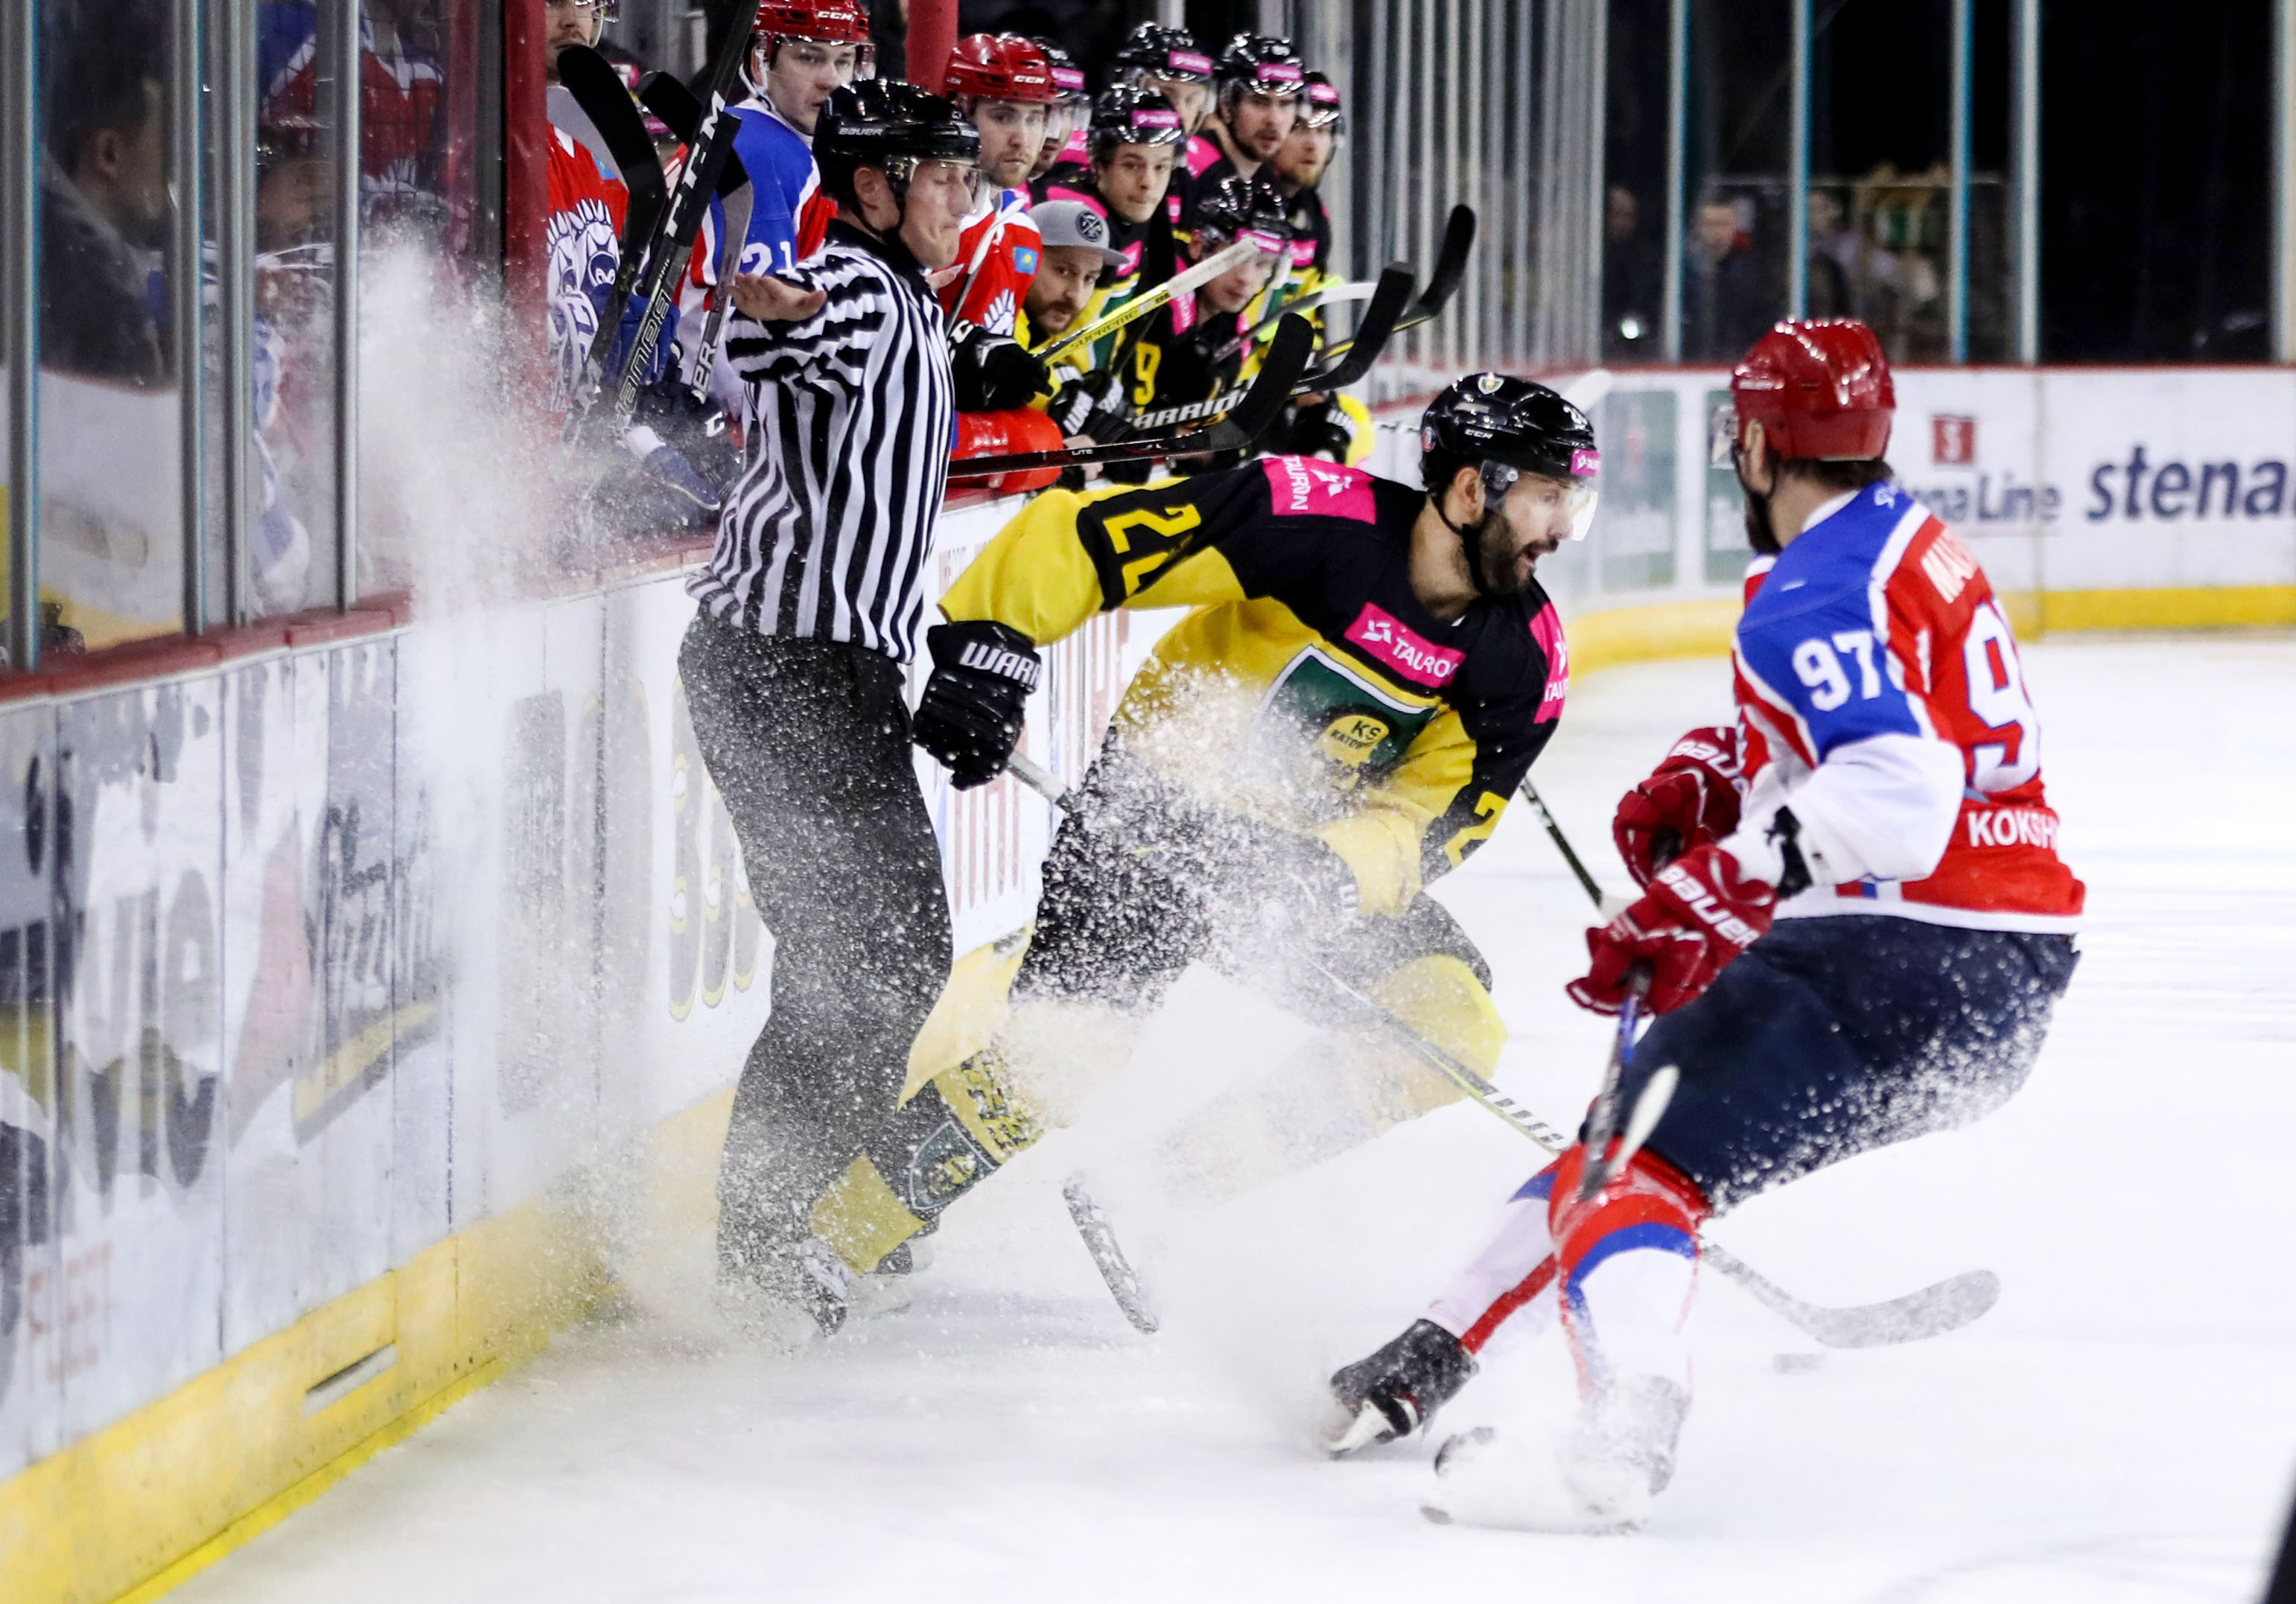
[{"x": 2120, "y": 1429}]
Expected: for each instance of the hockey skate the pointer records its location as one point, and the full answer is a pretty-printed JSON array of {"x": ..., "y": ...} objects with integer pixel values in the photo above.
[
  {"x": 1601, "y": 1478},
  {"x": 1397, "y": 1390},
  {"x": 803, "y": 1292}
]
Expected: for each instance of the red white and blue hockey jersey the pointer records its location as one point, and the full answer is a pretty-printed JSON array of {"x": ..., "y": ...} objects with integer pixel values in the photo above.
[
  {"x": 1881, "y": 698},
  {"x": 999, "y": 249}
]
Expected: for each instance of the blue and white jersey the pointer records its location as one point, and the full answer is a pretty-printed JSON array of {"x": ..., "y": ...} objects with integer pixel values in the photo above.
[{"x": 1880, "y": 697}]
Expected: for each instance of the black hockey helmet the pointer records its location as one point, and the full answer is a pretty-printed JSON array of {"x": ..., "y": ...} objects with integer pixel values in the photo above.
[
  {"x": 1259, "y": 62},
  {"x": 1124, "y": 115},
  {"x": 1237, "y": 208},
  {"x": 1320, "y": 106},
  {"x": 1068, "y": 77},
  {"x": 1504, "y": 428},
  {"x": 1152, "y": 50},
  {"x": 890, "y": 126}
]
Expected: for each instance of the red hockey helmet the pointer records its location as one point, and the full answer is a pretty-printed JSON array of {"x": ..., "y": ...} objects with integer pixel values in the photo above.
[
  {"x": 1819, "y": 387},
  {"x": 1000, "y": 66},
  {"x": 822, "y": 21}
]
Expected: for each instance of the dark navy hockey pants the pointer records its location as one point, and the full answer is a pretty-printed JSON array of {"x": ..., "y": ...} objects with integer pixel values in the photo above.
[{"x": 1836, "y": 1035}]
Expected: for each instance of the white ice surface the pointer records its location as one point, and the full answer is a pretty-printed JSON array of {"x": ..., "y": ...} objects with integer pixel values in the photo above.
[{"x": 2120, "y": 1429}]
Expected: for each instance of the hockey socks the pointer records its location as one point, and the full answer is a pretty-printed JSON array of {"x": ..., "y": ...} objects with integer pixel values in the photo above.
[
  {"x": 1626, "y": 1260},
  {"x": 958, "y": 1128}
]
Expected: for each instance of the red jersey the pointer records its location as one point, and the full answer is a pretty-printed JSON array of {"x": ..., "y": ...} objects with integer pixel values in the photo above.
[
  {"x": 584, "y": 253},
  {"x": 998, "y": 252}
]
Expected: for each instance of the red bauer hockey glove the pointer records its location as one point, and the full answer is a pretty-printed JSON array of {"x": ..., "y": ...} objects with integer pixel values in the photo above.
[
  {"x": 1691, "y": 798},
  {"x": 1700, "y": 912}
]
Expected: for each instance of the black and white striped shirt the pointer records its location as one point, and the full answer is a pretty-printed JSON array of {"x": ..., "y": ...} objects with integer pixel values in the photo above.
[{"x": 850, "y": 415}]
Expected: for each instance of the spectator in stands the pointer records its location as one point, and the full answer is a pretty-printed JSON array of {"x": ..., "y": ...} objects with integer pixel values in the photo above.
[
  {"x": 104, "y": 205},
  {"x": 1725, "y": 306},
  {"x": 1833, "y": 255}
]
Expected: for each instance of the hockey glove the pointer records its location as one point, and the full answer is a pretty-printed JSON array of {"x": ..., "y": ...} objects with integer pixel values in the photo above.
[
  {"x": 970, "y": 714},
  {"x": 1690, "y": 800},
  {"x": 1700, "y": 911},
  {"x": 1090, "y": 406},
  {"x": 993, "y": 373}
]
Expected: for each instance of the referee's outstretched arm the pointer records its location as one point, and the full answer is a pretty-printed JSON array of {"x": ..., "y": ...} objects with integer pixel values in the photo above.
[{"x": 779, "y": 342}]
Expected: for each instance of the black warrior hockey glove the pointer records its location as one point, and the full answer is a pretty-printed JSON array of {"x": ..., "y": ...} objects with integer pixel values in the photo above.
[
  {"x": 969, "y": 716},
  {"x": 993, "y": 373}
]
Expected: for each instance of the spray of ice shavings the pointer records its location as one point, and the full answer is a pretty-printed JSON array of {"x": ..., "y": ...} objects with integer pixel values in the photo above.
[{"x": 456, "y": 481}]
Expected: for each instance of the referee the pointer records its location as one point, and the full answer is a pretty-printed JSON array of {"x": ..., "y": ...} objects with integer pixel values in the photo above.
[{"x": 794, "y": 671}]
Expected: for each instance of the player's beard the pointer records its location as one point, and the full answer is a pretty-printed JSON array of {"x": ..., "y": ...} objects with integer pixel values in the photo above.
[
  {"x": 1758, "y": 533},
  {"x": 1496, "y": 553}
]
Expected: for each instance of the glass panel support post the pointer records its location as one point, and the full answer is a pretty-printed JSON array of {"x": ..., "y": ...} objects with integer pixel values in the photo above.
[
  {"x": 20, "y": 286},
  {"x": 231, "y": 38},
  {"x": 187, "y": 295},
  {"x": 2026, "y": 94},
  {"x": 2283, "y": 179},
  {"x": 1957, "y": 269},
  {"x": 1677, "y": 145},
  {"x": 339, "y": 49},
  {"x": 1798, "y": 179}
]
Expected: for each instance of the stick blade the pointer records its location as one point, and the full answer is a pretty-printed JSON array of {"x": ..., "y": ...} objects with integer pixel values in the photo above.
[
  {"x": 1932, "y": 1311},
  {"x": 1124, "y": 1283},
  {"x": 1450, "y": 265},
  {"x": 1270, "y": 392},
  {"x": 598, "y": 90},
  {"x": 1372, "y": 330},
  {"x": 671, "y": 101}
]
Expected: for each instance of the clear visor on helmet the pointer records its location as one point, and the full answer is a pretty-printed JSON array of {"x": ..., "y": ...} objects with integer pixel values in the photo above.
[
  {"x": 1722, "y": 434},
  {"x": 962, "y": 177},
  {"x": 1573, "y": 495}
]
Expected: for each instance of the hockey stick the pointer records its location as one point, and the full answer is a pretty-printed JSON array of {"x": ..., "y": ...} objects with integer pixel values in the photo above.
[
  {"x": 1378, "y": 321},
  {"x": 1244, "y": 424},
  {"x": 1930, "y": 1311},
  {"x": 1562, "y": 844},
  {"x": 1148, "y": 300},
  {"x": 1450, "y": 267},
  {"x": 663, "y": 94},
  {"x": 1335, "y": 296},
  {"x": 707, "y": 153}
]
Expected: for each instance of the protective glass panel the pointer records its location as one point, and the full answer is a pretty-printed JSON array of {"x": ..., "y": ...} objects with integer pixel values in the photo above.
[
  {"x": 1740, "y": 129},
  {"x": 1636, "y": 429},
  {"x": 291, "y": 543},
  {"x": 1634, "y": 165},
  {"x": 110, "y": 384},
  {"x": 1880, "y": 200}
]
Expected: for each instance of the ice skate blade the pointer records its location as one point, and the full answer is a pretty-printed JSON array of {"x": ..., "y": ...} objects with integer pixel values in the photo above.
[{"x": 1368, "y": 1428}]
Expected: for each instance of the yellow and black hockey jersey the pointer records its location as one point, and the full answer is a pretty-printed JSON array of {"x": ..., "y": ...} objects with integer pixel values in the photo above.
[{"x": 1309, "y": 686}]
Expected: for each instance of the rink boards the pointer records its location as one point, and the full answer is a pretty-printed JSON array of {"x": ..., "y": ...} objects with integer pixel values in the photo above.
[{"x": 360, "y": 983}]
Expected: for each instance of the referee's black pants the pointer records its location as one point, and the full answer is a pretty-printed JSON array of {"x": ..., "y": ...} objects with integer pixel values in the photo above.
[{"x": 808, "y": 742}]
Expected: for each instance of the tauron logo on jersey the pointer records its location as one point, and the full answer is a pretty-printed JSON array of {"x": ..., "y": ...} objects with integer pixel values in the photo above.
[
  {"x": 1307, "y": 487},
  {"x": 1385, "y": 638},
  {"x": 1546, "y": 629},
  {"x": 1949, "y": 567},
  {"x": 2013, "y": 827}
]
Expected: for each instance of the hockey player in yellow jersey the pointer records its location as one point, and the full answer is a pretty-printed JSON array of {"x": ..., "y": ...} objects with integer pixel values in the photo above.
[{"x": 1368, "y": 671}]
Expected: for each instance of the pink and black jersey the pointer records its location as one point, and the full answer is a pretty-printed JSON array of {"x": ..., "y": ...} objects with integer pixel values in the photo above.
[{"x": 1881, "y": 698}]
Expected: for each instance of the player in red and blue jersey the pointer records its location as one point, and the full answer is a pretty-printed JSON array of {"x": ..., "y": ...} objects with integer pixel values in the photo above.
[
  {"x": 800, "y": 50},
  {"x": 1854, "y": 929}
]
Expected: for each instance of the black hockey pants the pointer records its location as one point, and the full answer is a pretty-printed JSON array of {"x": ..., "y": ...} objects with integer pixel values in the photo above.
[{"x": 808, "y": 742}]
